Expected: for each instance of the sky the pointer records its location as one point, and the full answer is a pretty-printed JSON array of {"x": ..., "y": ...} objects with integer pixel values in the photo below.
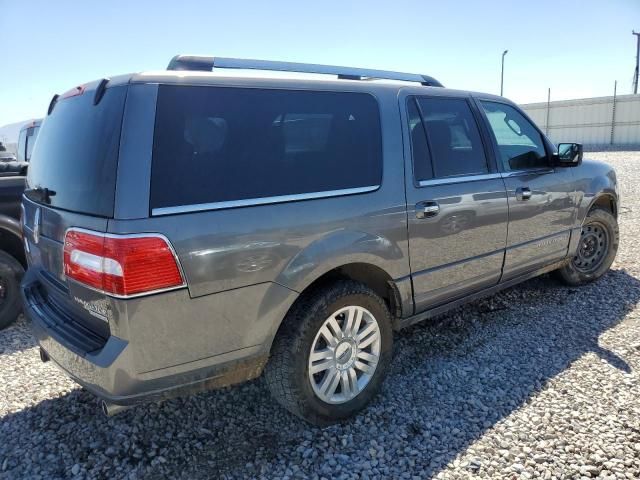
[{"x": 576, "y": 48}]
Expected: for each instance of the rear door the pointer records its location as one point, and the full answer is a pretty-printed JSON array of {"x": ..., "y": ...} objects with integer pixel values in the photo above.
[
  {"x": 457, "y": 204},
  {"x": 541, "y": 207},
  {"x": 71, "y": 183}
]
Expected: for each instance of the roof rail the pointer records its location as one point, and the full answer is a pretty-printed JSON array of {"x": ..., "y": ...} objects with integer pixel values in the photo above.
[{"x": 207, "y": 64}]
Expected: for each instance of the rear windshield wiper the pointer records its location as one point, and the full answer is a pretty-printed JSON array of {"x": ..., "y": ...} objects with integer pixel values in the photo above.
[{"x": 40, "y": 194}]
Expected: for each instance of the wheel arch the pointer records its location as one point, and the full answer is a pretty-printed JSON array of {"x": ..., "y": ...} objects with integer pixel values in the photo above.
[
  {"x": 11, "y": 239},
  {"x": 605, "y": 200},
  {"x": 369, "y": 274}
]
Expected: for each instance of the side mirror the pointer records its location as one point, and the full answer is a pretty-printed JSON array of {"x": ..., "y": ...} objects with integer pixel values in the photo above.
[{"x": 569, "y": 155}]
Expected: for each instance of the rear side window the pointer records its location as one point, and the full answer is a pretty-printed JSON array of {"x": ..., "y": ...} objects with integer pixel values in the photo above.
[
  {"x": 218, "y": 144},
  {"x": 455, "y": 145},
  {"x": 422, "y": 169},
  {"x": 76, "y": 154}
]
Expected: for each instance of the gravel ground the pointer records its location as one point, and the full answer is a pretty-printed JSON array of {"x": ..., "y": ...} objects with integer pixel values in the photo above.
[{"x": 540, "y": 381}]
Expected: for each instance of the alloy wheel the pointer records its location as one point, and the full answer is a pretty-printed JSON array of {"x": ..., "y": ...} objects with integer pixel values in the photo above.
[{"x": 344, "y": 355}]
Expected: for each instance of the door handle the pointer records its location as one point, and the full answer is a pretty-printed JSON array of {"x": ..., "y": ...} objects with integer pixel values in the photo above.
[
  {"x": 427, "y": 209},
  {"x": 523, "y": 193}
]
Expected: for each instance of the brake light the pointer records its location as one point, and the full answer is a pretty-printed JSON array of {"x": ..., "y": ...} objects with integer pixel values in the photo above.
[{"x": 121, "y": 265}]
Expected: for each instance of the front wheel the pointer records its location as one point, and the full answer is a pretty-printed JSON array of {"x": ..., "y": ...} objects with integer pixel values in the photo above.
[
  {"x": 331, "y": 353},
  {"x": 596, "y": 251}
]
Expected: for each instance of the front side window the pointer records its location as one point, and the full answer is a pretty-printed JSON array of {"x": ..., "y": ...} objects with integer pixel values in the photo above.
[
  {"x": 219, "y": 144},
  {"x": 454, "y": 143},
  {"x": 520, "y": 145}
]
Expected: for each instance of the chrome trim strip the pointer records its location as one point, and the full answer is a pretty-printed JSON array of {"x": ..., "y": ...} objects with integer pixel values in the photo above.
[
  {"x": 519, "y": 173},
  {"x": 250, "y": 202},
  {"x": 460, "y": 179}
]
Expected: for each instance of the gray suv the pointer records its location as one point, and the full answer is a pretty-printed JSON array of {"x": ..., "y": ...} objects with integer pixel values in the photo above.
[{"x": 187, "y": 230}]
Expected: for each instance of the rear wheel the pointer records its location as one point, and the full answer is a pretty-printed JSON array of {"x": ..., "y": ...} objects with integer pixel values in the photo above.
[
  {"x": 596, "y": 251},
  {"x": 331, "y": 354},
  {"x": 11, "y": 273}
]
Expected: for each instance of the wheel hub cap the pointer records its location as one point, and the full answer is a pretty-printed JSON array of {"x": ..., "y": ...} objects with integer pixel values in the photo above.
[{"x": 344, "y": 354}]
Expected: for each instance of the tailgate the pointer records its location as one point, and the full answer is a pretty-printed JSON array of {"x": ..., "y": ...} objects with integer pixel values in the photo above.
[
  {"x": 71, "y": 182},
  {"x": 86, "y": 311}
]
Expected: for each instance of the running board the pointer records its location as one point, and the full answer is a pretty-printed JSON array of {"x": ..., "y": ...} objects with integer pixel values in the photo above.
[{"x": 400, "y": 323}]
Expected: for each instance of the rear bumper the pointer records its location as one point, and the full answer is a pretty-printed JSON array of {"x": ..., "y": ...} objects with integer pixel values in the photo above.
[{"x": 110, "y": 371}]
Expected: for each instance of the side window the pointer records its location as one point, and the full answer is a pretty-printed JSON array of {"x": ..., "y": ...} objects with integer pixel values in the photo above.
[
  {"x": 22, "y": 144},
  {"x": 520, "y": 145},
  {"x": 219, "y": 144},
  {"x": 455, "y": 145},
  {"x": 32, "y": 134},
  {"x": 419, "y": 148}
]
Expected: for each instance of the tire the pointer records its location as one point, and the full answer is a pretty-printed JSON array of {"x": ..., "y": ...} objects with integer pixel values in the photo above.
[
  {"x": 600, "y": 227},
  {"x": 11, "y": 273},
  {"x": 287, "y": 373}
]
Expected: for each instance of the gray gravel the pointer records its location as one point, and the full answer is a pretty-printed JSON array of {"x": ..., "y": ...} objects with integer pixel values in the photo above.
[{"x": 540, "y": 381}]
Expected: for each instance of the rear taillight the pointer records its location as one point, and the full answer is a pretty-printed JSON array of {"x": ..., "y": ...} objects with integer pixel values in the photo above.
[{"x": 121, "y": 265}]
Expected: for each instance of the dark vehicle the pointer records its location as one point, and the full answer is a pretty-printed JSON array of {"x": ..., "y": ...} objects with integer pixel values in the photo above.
[
  {"x": 12, "y": 257},
  {"x": 27, "y": 139},
  {"x": 307, "y": 220},
  {"x": 10, "y": 166}
]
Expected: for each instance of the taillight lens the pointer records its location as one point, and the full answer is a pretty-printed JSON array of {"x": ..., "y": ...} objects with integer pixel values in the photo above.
[{"x": 121, "y": 265}]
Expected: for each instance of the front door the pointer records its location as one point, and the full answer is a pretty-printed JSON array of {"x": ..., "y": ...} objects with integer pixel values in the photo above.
[
  {"x": 457, "y": 204},
  {"x": 541, "y": 207}
]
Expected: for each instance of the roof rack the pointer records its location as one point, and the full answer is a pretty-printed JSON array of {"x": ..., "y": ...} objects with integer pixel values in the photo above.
[{"x": 207, "y": 64}]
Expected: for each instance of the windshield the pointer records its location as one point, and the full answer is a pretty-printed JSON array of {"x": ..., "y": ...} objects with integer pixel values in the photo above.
[{"x": 76, "y": 155}]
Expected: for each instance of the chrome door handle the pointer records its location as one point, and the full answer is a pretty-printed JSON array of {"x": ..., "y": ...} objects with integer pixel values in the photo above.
[
  {"x": 427, "y": 209},
  {"x": 523, "y": 193}
]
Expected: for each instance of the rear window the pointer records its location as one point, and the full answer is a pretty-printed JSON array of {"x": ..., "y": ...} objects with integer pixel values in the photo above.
[
  {"x": 224, "y": 144},
  {"x": 76, "y": 155}
]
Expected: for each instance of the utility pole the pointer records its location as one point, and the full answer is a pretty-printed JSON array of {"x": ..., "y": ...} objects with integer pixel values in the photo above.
[
  {"x": 502, "y": 71},
  {"x": 613, "y": 111},
  {"x": 635, "y": 73},
  {"x": 546, "y": 125}
]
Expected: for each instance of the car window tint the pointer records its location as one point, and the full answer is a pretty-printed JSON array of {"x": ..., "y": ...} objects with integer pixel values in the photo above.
[
  {"x": 217, "y": 144},
  {"x": 76, "y": 153},
  {"x": 32, "y": 134},
  {"x": 454, "y": 139},
  {"x": 22, "y": 145},
  {"x": 305, "y": 132},
  {"x": 520, "y": 145},
  {"x": 419, "y": 148}
]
